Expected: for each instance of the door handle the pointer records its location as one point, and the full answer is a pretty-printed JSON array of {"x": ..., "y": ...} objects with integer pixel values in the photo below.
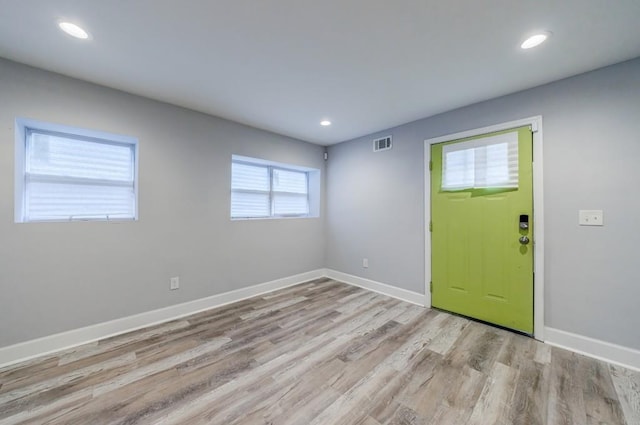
[{"x": 524, "y": 240}]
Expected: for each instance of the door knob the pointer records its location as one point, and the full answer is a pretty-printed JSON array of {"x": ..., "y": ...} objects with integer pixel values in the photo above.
[{"x": 524, "y": 240}]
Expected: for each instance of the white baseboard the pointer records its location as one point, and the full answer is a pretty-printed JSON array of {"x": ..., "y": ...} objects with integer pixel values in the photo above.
[
  {"x": 62, "y": 341},
  {"x": 601, "y": 350},
  {"x": 12, "y": 354},
  {"x": 381, "y": 288}
]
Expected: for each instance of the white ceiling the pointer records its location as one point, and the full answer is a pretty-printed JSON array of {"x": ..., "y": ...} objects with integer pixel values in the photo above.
[{"x": 283, "y": 65}]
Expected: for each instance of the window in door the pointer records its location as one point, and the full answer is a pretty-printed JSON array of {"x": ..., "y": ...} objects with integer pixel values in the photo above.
[{"x": 490, "y": 162}]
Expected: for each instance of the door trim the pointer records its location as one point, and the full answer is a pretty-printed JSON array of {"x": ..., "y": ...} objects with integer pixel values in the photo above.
[{"x": 538, "y": 210}]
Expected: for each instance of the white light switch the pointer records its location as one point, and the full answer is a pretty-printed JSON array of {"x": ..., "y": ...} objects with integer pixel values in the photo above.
[
  {"x": 590, "y": 218},
  {"x": 174, "y": 283}
]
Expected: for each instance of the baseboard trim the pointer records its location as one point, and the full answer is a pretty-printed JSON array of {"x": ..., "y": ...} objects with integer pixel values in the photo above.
[
  {"x": 53, "y": 343},
  {"x": 597, "y": 349},
  {"x": 601, "y": 350},
  {"x": 381, "y": 288}
]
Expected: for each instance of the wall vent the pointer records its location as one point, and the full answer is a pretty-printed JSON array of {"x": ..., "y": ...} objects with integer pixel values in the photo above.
[{"x": 382, "y": 144}]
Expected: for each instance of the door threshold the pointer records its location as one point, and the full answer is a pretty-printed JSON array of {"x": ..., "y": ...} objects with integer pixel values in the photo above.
[{"x": 493, "y": 325}]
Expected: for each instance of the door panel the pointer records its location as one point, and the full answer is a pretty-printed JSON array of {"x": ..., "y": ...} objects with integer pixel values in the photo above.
[{"x": 479, "y": 267}]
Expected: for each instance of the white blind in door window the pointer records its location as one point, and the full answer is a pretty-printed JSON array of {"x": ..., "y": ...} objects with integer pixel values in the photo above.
[
  {"x": 488, "y": 162},
  {"x": 69, "y": 178}
]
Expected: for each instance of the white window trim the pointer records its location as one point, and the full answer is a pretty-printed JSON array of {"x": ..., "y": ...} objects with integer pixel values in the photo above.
[
  {"x": 23, "y": 125},
  {"x": 313, "y": 209}
]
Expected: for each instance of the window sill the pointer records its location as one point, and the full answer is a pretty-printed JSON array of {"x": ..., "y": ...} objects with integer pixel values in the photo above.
[
  {"x": 273, "y": 218},
  {"x": 80, "y": 220}
]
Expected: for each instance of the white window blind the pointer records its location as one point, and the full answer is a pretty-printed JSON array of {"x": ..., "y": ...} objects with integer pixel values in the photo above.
[
  {"x": 488, "y": 162},
  {"x": 290, "y": 194},
  {"x": 69, "y": 177},
  {"x": 250, "y": 190},
  {"x": 260, "y": 191}
]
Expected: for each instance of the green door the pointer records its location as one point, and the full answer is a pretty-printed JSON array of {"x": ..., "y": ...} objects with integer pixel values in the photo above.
[{"x": 482, "y": 256}]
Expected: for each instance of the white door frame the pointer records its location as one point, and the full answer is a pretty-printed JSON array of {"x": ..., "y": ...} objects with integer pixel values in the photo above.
[{"x": 538, "y": 214}]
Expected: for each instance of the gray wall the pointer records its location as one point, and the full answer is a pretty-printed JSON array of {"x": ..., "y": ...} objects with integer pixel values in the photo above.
[
  {"x": 375, "y": 204},
  {"x": 60, "y": 276}
]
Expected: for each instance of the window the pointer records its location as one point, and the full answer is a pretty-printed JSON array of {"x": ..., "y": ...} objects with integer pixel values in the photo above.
[
  {"x": 263, "y": 189},
  {"x": 70, "y": 174},
  {"x": 488, "y": 162}
]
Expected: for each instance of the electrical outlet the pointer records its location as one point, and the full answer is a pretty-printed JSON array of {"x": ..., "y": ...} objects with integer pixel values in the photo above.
[
  {"x": 174, "y": 283},
  {"x": 590, "y": 218},
  {"x": 365, "y": 263}
]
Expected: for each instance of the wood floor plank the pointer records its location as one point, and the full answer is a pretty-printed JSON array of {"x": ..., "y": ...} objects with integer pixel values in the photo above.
[
  {"x": 24, "y": 371},
  {"x": 566, "y": 401},
  {"x": 496, "y": 398},
  {"x": 459, "y": 397},
  {"x": 405, "y": 416},
  {"x": 357, "y": 367},
  {"x": 443, "y": 342},
  {"x": 627, "y": 384},
  {"x": 313, "y": 354},
  {"x": 421, "y": 333},
  {"x": 85, "y": 351},
  {"x": 287, "y": 394},
  {"x": 476, "y": 346},
  {"x": 152, "y": 368},
  {"x": 600, "y": 397},
  {"x": 368, "y": 420},
  {"x": 202, "y": 409},
  {"x": 350, "y": 406},
  {"x": 411, "y": 313},
  {"x": 59, "y": 381},
  {"x": 529, "y": 404},
  {"x": 517, "y": 350},
  {"x": 425, "y": 391},
  {"x": 397, "y": 394},
  {"x": 308, "y": 397},
  {"x": 543, "y": 353}
]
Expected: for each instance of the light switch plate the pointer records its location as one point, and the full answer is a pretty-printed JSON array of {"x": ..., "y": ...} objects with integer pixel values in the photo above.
[
  {"x": 590, "y": 218},
  {"x": 174, "y": 283}
]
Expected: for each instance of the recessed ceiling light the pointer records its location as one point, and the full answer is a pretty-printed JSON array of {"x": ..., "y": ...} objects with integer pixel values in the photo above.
[
  {"x": 325, "y": 123},
  {"x": 535, "y": 40},
  {"x": 73, "y": 30}
]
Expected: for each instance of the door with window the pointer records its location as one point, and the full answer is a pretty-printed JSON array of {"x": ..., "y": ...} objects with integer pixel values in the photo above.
[{"x": 482, "y": 227}]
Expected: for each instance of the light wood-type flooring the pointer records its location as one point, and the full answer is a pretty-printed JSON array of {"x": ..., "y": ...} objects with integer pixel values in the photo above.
[{"x": 319, "y": 353}]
